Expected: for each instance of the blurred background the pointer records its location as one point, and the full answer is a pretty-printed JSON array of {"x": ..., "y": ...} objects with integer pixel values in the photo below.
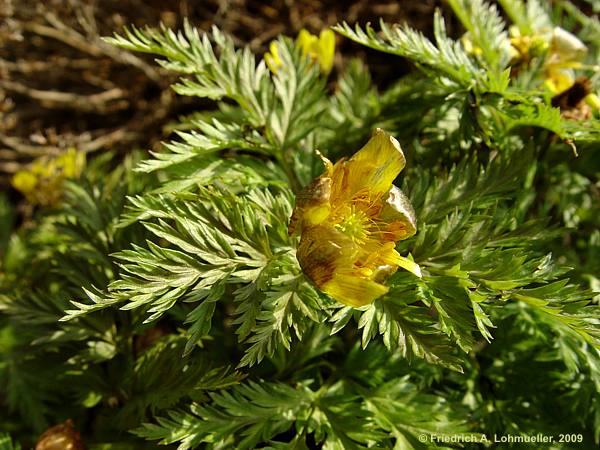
[{"x": 61, "y": 86}]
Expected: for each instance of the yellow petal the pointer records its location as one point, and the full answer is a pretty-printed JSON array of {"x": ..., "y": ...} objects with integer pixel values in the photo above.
[
  {"x": 24, "y": 181},
  {"x": 42, "y": 167},
  {"x": 72, "y": 163},
  {"x": 323, "y": 251},
  {"x": 566, "y": 45},
  {"x": 326, "y": 50},
  {"x": 328, "y": 165},
  {"x": 272, "y": 58},
  {"x": 354, "y": 291},
  {"x": 468, "y": 45},
  {"x": 42, "y": 182},
  {"x": 410, "y": 265},
  {"x": 558, "y": 81},
  {"x": 312, "y": 205},
  {"x": 307, "y": 42},
  {"x": 513, "y": 31},
  {"x": 376, "y": 165},
  {"x": 593, "y": 101},
  {"x": 320, "y": 49},
  {"x": 399, "y": 214}
]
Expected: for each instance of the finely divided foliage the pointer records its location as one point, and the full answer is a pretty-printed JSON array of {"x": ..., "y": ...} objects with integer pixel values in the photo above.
[
  {"x": 218, "y": 240},
  {"x": 447, "y": 58},
  {"x": 6, "y": 443},
  {"x": 185, "y": 290}
]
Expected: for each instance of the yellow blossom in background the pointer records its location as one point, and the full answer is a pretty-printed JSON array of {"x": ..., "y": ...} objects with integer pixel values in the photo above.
[
  {"x": 272, "y": 58},
  {"x": 565, "y": 53},
  {"x": 42, "y": 183},
  {"x": 593, "y": 100},
  {"x": 350, "y": 219},
  {"x": 524, "y": 47},
  {"x": 468, "y": 45},
  {"x": 320, "y": 50}
]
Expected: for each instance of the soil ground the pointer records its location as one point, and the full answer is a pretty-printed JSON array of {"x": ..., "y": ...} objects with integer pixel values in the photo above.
[{"x": 61, "y": 86}]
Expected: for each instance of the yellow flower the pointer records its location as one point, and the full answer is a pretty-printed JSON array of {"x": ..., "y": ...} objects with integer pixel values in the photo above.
[
  {"x": 350, "y": 219},
  {"x": 469, "y": 47},
  {"x": 272, "y": 58},
  {"x": 524, "y": 47},
  {"x": 41, "y": 184},
  {"x": 565, "y": 54},
  {"x": 319, "y": 49}
]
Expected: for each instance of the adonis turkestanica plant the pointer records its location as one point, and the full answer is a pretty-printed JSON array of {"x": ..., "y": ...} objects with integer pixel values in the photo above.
[{"x": 316, "y": 262}]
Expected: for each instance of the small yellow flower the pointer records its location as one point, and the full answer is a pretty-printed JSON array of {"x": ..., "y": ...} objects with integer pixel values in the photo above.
[
  {"x": 562, "y": 51},
  {"x": 524, "y": 47},
  {"x": 41, "y": 184},
  {"x": 272, "y": 58},
  {"x": 319, "y": 49},
  {"x": 564, "y": 55},
  {"x": 350, "y": 219},
  {"x": 468, "y": 45}
]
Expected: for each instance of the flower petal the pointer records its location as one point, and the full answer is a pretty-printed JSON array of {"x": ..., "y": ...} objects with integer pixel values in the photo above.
[
  {"x": 326, "y": 50},
  {"x": 566, "y": 46},
  {"x": 307, "y": 42},
  {"x": 399, "y": 214},
  {"x": 354, "y": 291},
  {"x": 312, "y": 204},
  {"x": 323, "y": 251},
  {"x": 272, "y": 58},
  {"x": 593, "y": 101},
  {"x": 410, "y": 265},
  {"x": 376, "y": 165}
]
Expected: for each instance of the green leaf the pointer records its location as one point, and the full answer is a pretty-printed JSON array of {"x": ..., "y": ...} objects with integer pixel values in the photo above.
[
  {"x": 529, "y": 16},
  {"x": 409, "y": 415},
  {"x": 242, "y": 417},
  {"x": 486, "y": 30},
  {"x": 6, "y": 443},
  {"x": 233, "y": 74},
  {"x": 447, "y": 59}
]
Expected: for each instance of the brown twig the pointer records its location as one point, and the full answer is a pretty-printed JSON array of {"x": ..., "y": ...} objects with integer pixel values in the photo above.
[
  {"x": 24, "y": 66},
  {"x": 22, "y": 148},
  {"x": 93, "y": 46},
  {"x": 18, "y": 149},
  {"x": 56, "y": 99}
]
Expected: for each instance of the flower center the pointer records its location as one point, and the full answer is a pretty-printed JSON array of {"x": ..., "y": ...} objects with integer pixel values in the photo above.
[{"x": 355, "y": 225}]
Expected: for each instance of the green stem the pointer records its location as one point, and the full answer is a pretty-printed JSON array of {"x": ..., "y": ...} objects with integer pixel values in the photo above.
[{"x": 287, "y": 166}]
